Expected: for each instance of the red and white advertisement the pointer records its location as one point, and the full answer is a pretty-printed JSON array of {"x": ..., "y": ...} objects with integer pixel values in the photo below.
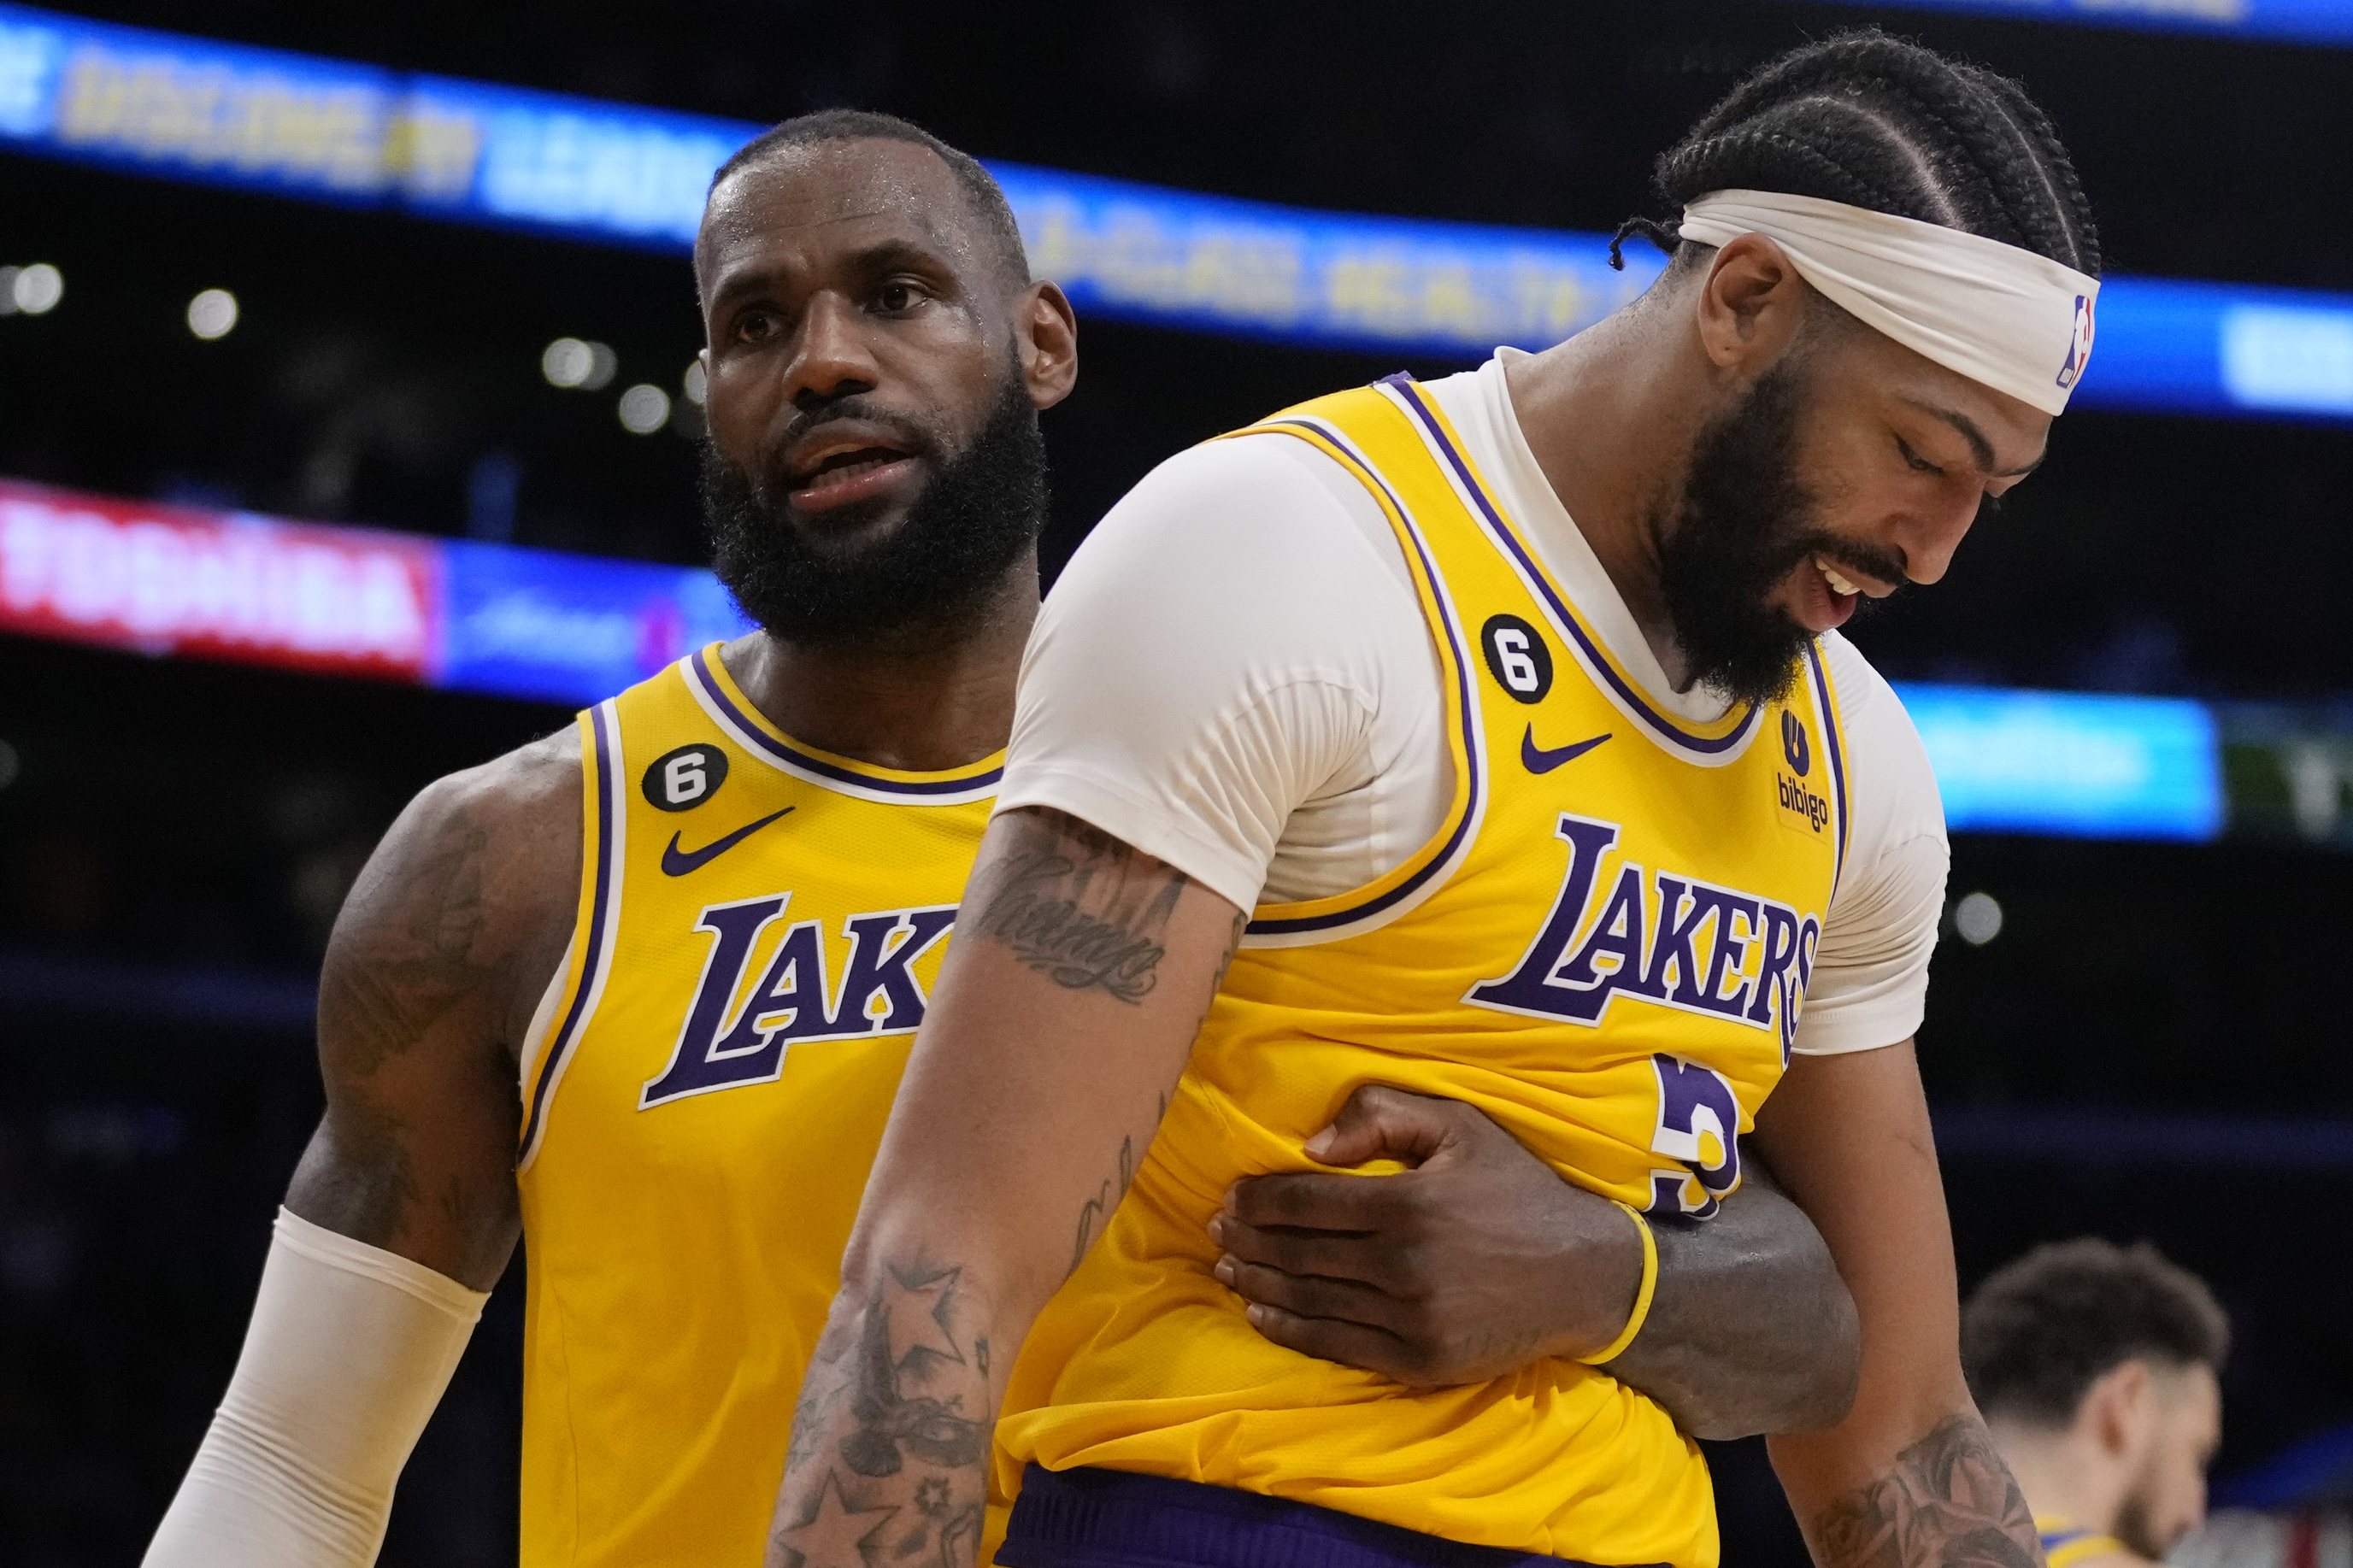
[{"x": 233, "y": 586}]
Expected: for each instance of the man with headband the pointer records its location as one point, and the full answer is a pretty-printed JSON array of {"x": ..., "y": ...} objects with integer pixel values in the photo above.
[{"x": 1489, "y": 739}]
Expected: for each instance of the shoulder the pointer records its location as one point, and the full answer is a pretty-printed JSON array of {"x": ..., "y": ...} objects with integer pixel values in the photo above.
[
  {"x": 1261, "y": 500},
  {"x": 1254, "y": 559},
  {"x": 469, "y": 897}
]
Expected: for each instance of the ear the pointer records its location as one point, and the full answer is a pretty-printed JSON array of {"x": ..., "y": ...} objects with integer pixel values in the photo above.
[
  {"x": 1751, "y": 305},
  {"x": 1046, "y": 334},
  {"x": 2118, "y": 1408}
]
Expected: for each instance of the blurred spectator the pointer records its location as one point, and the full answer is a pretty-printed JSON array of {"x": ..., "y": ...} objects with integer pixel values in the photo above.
[{"x": 2096, "y": 1368}]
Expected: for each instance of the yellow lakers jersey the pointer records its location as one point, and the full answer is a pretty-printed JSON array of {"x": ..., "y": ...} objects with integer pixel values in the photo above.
[
  {"x": 759, "y": 924},
  {"x": 1604, "y": 948}
]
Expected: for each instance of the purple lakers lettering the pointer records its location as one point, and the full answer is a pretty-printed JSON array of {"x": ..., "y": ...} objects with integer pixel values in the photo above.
[
  {"x": 1669, "y": 940},
  {"x": 722, "y": 1047}
]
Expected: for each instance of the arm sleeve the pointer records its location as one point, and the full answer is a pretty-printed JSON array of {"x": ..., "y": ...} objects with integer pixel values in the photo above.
[
  {"x": 1212, "y": 659},
  {"x": 1870, "y": 981},
  {"x": 348, "y": 1353}
]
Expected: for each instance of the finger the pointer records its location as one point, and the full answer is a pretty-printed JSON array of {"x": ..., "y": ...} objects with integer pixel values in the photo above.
[
  {"x": 1381, "y": 1121},
  {"x": 1315, "y": 1202},
  {"x": 1331, "y": 1339},
  {"x": 1310, "y": 1295},
  {"x": 1329, "y": 1254}
]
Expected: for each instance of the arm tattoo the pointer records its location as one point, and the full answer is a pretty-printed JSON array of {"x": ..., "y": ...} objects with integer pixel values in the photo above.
[
  {"x": 1095, "y": 1213},
  {"x": 1082, "y": 908},
  {"x": 1947, "y": 1502},
  {"x": 894, "y": 1409}
]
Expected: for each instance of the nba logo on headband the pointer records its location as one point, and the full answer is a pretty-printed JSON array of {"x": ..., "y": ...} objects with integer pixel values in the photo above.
[{"x": 2079, "y": 347}]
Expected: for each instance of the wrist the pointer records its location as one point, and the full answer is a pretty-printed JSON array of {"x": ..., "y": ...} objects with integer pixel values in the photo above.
[{"x": 1641, "y": 1246}]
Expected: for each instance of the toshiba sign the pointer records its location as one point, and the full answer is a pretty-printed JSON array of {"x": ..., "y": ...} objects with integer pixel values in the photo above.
[{"x": 166, "y": 580}]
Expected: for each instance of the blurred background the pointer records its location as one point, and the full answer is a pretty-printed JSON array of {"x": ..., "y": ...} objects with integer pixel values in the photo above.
[{"x": 384, "y": 283}]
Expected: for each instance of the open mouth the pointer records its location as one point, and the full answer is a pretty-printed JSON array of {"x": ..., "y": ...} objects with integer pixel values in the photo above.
[{"x": 830, "y": 467}]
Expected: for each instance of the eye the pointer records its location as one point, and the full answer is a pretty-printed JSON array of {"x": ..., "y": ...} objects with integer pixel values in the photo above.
[
  {"x": 754, "y": 327},
  {"x": 1919, "y": 464},
  {"x": 897, "y": 297}
]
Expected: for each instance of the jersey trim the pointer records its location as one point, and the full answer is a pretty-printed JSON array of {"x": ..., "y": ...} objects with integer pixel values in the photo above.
[
  {"x": 1826, "y": 707},
  {"x": 719, "y": 696},
  {"x": 1393, "y": 893},
  {"x": 601, "y": 771},
  {"x": 2066, "y": 1543},
  {"x": 1714, "y": 746}
]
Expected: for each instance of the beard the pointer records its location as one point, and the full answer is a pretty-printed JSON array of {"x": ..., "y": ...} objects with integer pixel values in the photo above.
[
  {"x": 980, "y": 513},
  {"x": 1745, "y": 522}
]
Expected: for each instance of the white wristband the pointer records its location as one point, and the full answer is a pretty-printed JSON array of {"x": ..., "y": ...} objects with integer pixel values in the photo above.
[{"x": 348, "y": 1353}]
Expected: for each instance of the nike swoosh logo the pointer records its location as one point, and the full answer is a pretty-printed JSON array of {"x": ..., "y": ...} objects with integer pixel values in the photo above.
[
  {"x": 1538, "y": 760},
  {"x": 675, "y": 864}
]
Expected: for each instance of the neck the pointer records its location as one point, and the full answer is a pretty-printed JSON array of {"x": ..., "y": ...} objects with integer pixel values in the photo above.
[
  {"x": 1610, "y": 416},
  {"x": 2058, "y": 1478},
  {"x": 922, "y": 699}
]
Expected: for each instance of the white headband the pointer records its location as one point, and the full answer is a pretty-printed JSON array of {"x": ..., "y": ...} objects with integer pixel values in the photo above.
[{"x": 2002, "y": 316}]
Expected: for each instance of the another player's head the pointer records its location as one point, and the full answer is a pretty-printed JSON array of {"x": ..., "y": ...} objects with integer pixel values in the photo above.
[
  {"x": 1827, "y": 442},
  {"x": 877, "y": 356},
  {"x": 2095, "y": 1367}
]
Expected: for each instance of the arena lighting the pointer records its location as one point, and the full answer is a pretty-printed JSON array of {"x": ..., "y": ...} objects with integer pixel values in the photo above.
[
  {"x": 34, "y": 290},
  {"x": 212, "y": 315},
  {"x": 644, "y": 408},
  {"x": 2286, "y": 21},
  {"x": 328, "y": 130},
  {"x": 571, "y": 363}
]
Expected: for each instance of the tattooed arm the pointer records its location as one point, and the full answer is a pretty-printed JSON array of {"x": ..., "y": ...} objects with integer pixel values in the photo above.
[
  {"x": 404, "y": 1209},
  {"x": 1063, "y": 1015},
  {"x": 1910, "y": 1479},
  {"x": 436, "y": 962}
]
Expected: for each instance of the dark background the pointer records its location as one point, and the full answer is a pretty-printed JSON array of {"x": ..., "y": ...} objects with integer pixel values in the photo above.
[{"x": 177, "y": 837}]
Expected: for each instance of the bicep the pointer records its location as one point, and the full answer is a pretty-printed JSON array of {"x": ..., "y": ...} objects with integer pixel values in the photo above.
[
  {"x": 1064, "y": 1013},
  {"x": 417, "y": 1033},
  {"x": 1849, "y": 1139}
]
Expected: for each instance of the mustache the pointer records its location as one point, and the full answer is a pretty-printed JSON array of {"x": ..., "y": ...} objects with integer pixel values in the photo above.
[{"x": 917, "y": 441}]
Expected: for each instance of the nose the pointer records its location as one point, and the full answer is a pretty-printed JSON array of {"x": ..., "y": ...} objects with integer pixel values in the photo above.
[
  {"x": 1928, "y": 539},
  {"x": 830, "y": 358}
]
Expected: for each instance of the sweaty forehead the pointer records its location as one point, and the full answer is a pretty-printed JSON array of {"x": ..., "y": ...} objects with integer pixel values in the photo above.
[{"x": 815, "y": 199}]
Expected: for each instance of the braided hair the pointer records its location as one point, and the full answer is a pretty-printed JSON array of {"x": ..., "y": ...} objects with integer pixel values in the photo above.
[{"x": 1871, "y": 121}]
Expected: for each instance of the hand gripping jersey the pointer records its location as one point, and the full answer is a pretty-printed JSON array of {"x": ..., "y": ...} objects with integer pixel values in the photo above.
[
  {"x": 759, "y": 924},
  {"x": 1604, "y": 948}
]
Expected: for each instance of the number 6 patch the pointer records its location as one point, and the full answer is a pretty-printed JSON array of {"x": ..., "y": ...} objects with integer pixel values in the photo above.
[
  {"x": 685, "y": 778},
  {"x": 1517, "y": 657}
]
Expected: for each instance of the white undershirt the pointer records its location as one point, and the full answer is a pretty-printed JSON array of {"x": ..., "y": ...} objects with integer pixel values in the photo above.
[{"x": 1233, "y": 675}]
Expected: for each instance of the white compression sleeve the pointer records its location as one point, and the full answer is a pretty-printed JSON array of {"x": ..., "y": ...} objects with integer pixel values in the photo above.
[{"x": 348, "y": 1353}]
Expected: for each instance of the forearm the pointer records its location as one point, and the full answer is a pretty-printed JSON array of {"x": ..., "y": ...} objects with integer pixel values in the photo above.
[
  {"x": 1750, "y": 1328},
  {"x": 1909, "y": 1478},
  {"x": 1061, "y": 1019},
  {"x": 347, "y": 1354}
]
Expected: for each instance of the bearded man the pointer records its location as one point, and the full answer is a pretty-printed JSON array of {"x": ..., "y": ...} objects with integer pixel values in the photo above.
[
  {"x": 1491, "y": 738},
  {"x": 642, "y": 991}
]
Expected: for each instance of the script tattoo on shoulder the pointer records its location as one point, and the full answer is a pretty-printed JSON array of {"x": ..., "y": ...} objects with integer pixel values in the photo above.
[
  {"x": 1949, "y": 1501},
  {"x": 893, "y": 1410},
  {"x": 1079, "y": 907}
]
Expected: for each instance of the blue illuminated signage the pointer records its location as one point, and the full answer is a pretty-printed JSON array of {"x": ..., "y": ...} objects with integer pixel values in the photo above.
[
  {"x": 2071, "y": 764},
  {"x": 617, "y": 174},
  {"x": 2294, "y": 21}
]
